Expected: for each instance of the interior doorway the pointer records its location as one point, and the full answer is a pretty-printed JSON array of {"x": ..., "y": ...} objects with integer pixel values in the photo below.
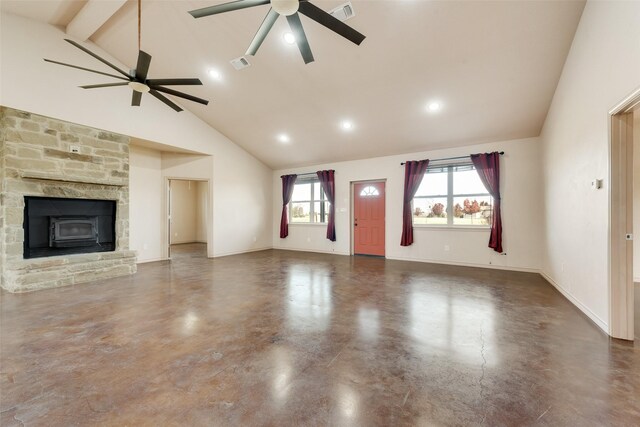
[
  {"x": 369, "y": 218},
  {"x": 187, "y": 228},
  {"x": 636, "y": 220},
  {"x": 622, "y": 321}
]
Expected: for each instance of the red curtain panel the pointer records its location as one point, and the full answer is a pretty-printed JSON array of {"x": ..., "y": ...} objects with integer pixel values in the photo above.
[
  {"x": 488, "y": 167},
  {"x": 413, "y": 174},
  {"x": 329, "y": 186},
  {"x": 288, "y": 182}
]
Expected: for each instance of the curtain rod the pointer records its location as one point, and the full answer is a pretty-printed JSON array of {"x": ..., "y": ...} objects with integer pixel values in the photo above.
[
  {"x": 310, "y": 173},
  {"x": 452, "y": 158},
  {"x": 305, "y": 174}
]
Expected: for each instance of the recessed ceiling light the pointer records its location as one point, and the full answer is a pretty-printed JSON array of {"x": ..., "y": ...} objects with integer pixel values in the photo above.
[
  {"x": 214, "y": 74},
  {"x": 284, "y": 138},
  {"x": 347, "y": 125},
  {"x": 289, "y": 38},
  {"x": 434, "y": 106}
]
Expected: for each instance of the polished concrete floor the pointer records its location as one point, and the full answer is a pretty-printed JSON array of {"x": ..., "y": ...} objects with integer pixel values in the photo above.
[{"x": 284, "y": 338}]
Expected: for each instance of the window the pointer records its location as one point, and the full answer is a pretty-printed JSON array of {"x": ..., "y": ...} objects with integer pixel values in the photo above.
[
  {"x": 452, "y": 196},
  {"x": 308, "y": 203},
  {"x": 369, "y": 191}
]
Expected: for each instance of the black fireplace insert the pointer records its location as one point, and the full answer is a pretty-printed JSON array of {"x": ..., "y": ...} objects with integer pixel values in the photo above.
[
  {"x": 68, "y": 231},
  {"x": 61, "y": 226}
]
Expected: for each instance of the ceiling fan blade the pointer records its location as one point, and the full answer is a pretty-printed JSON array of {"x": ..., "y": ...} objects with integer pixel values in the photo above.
[
  {"x": 264, "y": 29},
  {"x": 180, "y": 94},
  {"x": 301, "y": 38},
  {"x": 164, "y": 99},
  {"x": 226, "y": 7},
  {"x": 142, "y": 68},
  {"x": 334, "y": 24},
  {"x": 104, "y": 61},
  {"x": 85, "y": 69},
  {"x": 173, "y": 82},
  {"x": 136, "y": 98},
  {"x": 103, "y": 85}
]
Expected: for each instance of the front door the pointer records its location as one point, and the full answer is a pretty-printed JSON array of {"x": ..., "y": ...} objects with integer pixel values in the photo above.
[{"x": 368, "y": 226}]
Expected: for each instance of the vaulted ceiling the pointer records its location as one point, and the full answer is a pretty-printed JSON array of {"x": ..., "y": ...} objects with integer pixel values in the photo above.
[{"x": 493, "y": 66}]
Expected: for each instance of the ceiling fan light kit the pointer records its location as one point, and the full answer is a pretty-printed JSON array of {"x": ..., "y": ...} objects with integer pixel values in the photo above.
[
  {"x": 137, "y": 79},
  {"x": 291, "y": 9},
  {"x": 139, "y": 87},
  {"x": 139, "y": 83},
  {"x": 285, "y": 7}
]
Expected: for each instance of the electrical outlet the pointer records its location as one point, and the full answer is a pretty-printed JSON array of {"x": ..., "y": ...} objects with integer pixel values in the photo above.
[
  {"x": 74, "y": 149},
  {"x": 308, "y": 239},
  {"x": 145, "y": 247},
  {"x": 447, "y": 248}
]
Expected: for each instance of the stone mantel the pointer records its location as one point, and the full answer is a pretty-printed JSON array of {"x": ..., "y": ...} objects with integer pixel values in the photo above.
[
  {"x": 37, "y": 159},
  {"x": 44, "y": 176}
]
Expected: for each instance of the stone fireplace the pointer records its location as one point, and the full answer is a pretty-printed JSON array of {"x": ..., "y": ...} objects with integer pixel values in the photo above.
[{"x": 64, "y": 203}]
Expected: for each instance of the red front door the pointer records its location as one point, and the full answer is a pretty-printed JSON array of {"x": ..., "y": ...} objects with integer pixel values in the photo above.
[{"x": 368, "y": 227}]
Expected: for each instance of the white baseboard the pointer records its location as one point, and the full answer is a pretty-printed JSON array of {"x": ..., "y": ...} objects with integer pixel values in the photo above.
[
  {"x": 241, "y": 252},
  {"x": 636, "y": 279},
  {"x": 315, "y": 251},
  {"x": 590, "y": 314},
  {"x": 186, "y": 242},
  {"x": 150, "y": 260},
  {"x": 469, "y": 264}
]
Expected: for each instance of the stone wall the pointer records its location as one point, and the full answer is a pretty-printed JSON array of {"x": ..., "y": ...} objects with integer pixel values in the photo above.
[{"x": 36, "y": 160}]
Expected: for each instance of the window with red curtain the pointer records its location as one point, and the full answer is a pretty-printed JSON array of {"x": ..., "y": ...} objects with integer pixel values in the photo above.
[
  {"x": 488, "y": 167},
  {"x": 328, "y": 185},
  {"x": 413, "y": 174},
  {"x": 288, "y": 181}
]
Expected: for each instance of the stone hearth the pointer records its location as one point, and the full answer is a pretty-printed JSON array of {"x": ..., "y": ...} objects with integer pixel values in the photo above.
[{"x": 36, "y": 160}]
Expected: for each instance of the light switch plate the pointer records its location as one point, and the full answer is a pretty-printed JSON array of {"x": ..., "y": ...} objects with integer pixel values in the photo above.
[{"x": 596, "y": 184}]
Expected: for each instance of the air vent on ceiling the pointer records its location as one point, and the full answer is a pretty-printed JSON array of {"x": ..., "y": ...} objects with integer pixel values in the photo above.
[
  {"x": 343, "y": 12},
  {"x": 240, "y": 63}
]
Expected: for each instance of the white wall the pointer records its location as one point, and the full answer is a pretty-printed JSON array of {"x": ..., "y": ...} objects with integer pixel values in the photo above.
[
  {"x": 602, "y": 68},
  {"x": 241, "y": 184},
  {"x": 184, "y": 212},
  {"x": 521, "y": 211},
  {"x": 145, "y": 201},
  {"x": 636, "y": 197}
]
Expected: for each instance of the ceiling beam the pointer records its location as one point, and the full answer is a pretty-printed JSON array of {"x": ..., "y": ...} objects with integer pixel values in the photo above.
[{"x": 91, "y": 17}]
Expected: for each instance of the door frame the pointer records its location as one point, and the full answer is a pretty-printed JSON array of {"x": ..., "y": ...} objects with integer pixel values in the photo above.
[
  {"x": 352, "y": 217},
  {"x": 620, "y": 250},
  {"x": 166, "y": 229}
]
